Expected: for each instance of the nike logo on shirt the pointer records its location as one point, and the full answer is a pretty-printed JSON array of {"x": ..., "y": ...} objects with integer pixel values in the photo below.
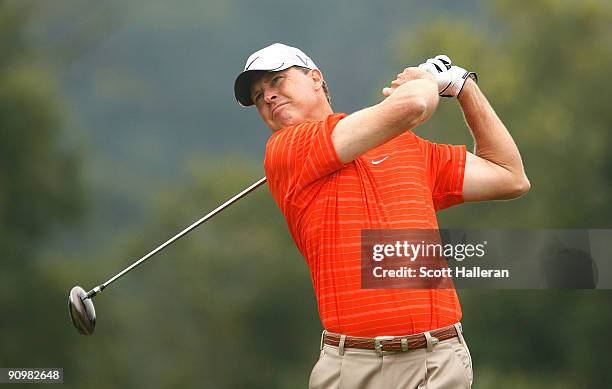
[{"x": 379, "y": 161}]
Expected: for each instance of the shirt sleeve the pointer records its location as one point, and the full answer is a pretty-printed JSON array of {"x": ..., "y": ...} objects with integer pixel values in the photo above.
[
  {"x": 297, "y": 158},
  {"x": 446, "y": 169}
]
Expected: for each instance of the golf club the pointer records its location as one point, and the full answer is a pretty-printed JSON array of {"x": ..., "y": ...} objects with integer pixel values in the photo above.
[{"x": 80, "y": 305}]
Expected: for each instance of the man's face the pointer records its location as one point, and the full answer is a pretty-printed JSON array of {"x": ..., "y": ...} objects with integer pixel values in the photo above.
[{"x": 287, "y": 97}]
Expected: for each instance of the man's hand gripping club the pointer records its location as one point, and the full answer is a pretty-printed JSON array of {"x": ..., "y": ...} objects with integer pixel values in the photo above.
[{"x": 450, "y": 79}]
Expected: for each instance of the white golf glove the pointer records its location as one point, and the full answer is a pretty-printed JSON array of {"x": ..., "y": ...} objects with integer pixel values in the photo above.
[{"x": 450, "y": 78}]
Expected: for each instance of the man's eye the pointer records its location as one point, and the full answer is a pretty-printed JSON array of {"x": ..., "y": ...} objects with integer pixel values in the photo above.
[
  {"x": 257, "y": 97},
  {"x": 275, "y": 80}
]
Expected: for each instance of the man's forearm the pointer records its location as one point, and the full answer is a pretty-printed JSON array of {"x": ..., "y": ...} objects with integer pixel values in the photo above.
[
  {"x": 492, "y": 141},
  {"x": 408, "y": 104}
]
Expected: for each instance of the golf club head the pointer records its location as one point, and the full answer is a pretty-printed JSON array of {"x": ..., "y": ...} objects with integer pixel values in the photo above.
[{"x": 82, "y": 312}]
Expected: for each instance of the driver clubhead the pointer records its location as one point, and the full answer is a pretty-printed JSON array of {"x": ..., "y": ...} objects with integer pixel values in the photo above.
[{"x": 82, "y": 312}]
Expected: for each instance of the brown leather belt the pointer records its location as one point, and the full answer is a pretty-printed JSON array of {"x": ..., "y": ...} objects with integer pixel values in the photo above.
[{"x": 391, "y": 343}]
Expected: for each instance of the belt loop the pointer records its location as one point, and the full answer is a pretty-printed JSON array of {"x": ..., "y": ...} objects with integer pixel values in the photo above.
[
  {"x": 341, "y": 344},
  {"x": 431, "y": 341},
  {"x": 404, "y": 344},
  {"x": 321, "y": 344},
  {"x": 459, "y": 332}
]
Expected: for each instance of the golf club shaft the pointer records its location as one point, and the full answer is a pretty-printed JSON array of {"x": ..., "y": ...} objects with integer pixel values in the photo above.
[{"x": 195, "y": 224}]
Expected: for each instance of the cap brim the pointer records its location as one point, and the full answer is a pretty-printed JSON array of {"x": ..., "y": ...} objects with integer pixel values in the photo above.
[{"x": 242, "y": 87}]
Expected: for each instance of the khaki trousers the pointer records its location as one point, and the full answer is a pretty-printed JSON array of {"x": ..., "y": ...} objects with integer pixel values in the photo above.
[{"x": 447, "y": 364}]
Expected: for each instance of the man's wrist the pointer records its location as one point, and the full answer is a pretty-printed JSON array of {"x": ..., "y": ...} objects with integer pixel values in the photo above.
[
  {"x": 430, "y": 77},
  {"x": 468, "y": 88}
]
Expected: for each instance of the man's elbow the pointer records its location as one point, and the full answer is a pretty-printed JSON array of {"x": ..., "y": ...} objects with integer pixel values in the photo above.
[
  {"x": 518, "y": 187},
  {"x": 419, "y": 110},
  {"x": 412, "y": 103}
]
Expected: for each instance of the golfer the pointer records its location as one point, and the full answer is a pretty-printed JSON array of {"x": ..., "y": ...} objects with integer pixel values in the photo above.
[{"x": 334, "y": 174}]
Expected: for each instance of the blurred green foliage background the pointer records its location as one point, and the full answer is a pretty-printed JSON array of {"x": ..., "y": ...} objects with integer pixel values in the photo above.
[{"x": 118, "y": 127}]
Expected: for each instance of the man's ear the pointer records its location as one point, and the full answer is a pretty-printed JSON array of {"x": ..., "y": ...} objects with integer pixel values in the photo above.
[{"x": 317, "y": 78}]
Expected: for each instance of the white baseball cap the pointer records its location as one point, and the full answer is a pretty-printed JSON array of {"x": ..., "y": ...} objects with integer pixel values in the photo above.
[{"x": 273, "y": 58}]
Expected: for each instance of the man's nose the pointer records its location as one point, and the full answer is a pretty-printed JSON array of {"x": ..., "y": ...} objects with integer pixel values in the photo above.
[{"x": 270, "y": 96}]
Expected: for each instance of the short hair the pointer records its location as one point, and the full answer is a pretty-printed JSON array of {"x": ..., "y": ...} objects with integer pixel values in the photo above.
[{"x": 325, "y": 89}]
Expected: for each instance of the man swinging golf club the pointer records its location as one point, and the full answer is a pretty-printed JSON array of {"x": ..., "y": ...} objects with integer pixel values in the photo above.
[{"x": 333, "y": 175}]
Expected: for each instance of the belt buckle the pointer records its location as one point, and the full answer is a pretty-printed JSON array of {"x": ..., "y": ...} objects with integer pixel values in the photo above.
[{"x": 378, "y": 345}]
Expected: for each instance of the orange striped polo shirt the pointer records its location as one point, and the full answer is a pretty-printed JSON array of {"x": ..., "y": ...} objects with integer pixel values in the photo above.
[{"x": 326, "y": 203}]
